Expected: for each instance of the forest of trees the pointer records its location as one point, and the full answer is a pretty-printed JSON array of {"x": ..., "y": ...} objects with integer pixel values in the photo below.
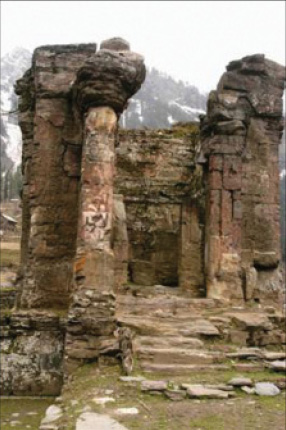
[{"x": 11, "y": 184}]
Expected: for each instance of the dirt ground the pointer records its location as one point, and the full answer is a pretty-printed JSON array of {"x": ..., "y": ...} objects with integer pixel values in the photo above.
[{"x": 244, "y": 412}]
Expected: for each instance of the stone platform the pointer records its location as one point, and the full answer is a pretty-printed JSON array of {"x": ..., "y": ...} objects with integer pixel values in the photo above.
[{"x": 175, "y": 334}]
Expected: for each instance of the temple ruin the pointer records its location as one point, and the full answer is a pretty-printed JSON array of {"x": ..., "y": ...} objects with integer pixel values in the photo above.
[{"x": 112, "y": 215}]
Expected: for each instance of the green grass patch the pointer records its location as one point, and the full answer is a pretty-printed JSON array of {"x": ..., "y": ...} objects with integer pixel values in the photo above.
[
  {"x": 210, "y": 422},
  {"x": 23, "y": 412},
  {"x": 9, "y": 257}
]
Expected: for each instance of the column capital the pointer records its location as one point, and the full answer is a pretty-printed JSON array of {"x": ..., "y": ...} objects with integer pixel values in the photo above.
[{"x": 109, "y": 77}]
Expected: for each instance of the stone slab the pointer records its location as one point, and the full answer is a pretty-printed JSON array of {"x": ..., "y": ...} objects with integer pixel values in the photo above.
[{"x": 92, "y": 421}]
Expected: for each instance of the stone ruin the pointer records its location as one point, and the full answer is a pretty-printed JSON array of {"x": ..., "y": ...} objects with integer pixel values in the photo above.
[{"x": 110, "y": 213}]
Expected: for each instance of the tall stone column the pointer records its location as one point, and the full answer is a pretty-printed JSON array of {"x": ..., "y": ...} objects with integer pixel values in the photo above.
[
  {"x": 101, "y": 91},
  {"x": 50, "y": 162},
  {"x": 240, "y": 138}
]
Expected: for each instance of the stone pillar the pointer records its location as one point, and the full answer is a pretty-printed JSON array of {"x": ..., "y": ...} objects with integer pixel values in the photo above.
[
  {"x": 101, "y": 91},
  {"x": 240, "y": 137},
  {"x": 51, "y": 170}
]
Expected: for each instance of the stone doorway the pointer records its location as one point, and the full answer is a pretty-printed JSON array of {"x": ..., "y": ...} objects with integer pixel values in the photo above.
[{"x": 154, "y": 240}]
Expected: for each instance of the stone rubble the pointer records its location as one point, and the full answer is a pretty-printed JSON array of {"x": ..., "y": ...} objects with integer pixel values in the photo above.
[
  {"x": 240, "y": 382},
  {"x": 127, "y": 411},
  {"x": 154, "y": 385},
  {"x": 92, "y": 421},
  {"x": 266, "y": 389},
  {"x": 279, "y": 365},
  {"x": 103, "y": 400},
  {"x": 201, "y": 392}
]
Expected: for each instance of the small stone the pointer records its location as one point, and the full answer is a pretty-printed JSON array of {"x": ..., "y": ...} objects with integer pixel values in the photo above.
[
  {"x": 132, "y": 378},
  {"x": 271, "y": 356},
  {"x": 15, "y": 415},
  {"x": 32, "y": 413},
  {"x": 266, "y": 389},
  {"x": 240, "y": 382},
  {"x": 220, "y": 387},
  {"x": 103, "y": 400},
  {"x": 127, "y": 411},
  {"x": 154, "y": 385},
  {"x": 53, "y": 413},
  {"x": 199, "y": 391},
  {"x": 176, "y": 395},
  {"x": 278, "y": 366},
  {"x": 248, "y": 390},
  {"x": 108, "y": 392},
  {"x": 281, "y": 383},
  {"x": 248, "y": 367},
  {"x": 74, "y": 402},
  {"x": 94, "y": 421},
  {"x": 58, "y": 399}
]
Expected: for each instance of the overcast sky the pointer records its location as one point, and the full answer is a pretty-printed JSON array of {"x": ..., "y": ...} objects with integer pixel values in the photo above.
[{"x": 190, "y": 40}]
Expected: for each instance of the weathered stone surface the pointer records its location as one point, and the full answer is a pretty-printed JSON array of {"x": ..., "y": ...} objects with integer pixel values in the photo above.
[
  {"x": 103, "y": 400},
  {"x": 127, "y": 411},
  {"x": 201, "y": 392},
  {"x": 266, "y": 389},
  {"x": 115, "y": 44},
  {"x": 53, "y": 413},
  {"x": 274, "y": 355},
  {"x": 248, "y": 390},
  {"x": 101, "y": 90},
  {"x": 240, "y": 137},
  {"x": 154, "y": 386},
  {"x": 164, "y": 220},
  {"x": 175, "y": 395},
  {"x": 109, "y": 78},
  {"x": 32, "y": 355},
  {"x": 92, "y": 420},
  {"x": 240, "y": 382},
  {"x": 279, "y": 365},
  {"x": 132, "y": 378},
  {"x": 101, "y": 208}
]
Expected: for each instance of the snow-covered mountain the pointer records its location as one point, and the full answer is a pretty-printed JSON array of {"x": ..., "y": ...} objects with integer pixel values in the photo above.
[
  {"x": 163, "y": 101},
  {"x": 13, "y": 65}
]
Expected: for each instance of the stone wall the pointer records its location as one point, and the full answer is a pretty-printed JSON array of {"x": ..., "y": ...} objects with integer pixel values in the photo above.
[
  {"x": 32, "y": 347},
  {"x": 240, "y": 138},
  {"x": 162, "y": 188}
]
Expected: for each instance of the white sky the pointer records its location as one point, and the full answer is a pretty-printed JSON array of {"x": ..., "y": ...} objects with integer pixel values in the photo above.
[{"x": 190, "y": 40}]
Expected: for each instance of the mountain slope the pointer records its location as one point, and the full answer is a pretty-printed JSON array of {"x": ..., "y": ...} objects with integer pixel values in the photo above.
[
  {"x": 13, "y": 65},
  {"x": 163, "y": 101}
]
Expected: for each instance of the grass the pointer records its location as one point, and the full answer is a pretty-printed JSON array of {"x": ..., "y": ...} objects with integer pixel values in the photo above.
[
  {"x": 210, "y": 422},
  {"x": 9, "y": 257},
  {"x": 159, "y": 413},
  {"x": 22, "y": 408}
]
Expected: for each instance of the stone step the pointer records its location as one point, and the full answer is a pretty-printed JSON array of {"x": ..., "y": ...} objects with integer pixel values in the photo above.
[
  {"x": 168, "y": 342},
  {"x": 181, "y": 369},
  {"x": 177, "y": 356},
  {"x": 163, "y": 302},
  {"x": 257, "y": 353},
  {"x": 153, "y": 326}
]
